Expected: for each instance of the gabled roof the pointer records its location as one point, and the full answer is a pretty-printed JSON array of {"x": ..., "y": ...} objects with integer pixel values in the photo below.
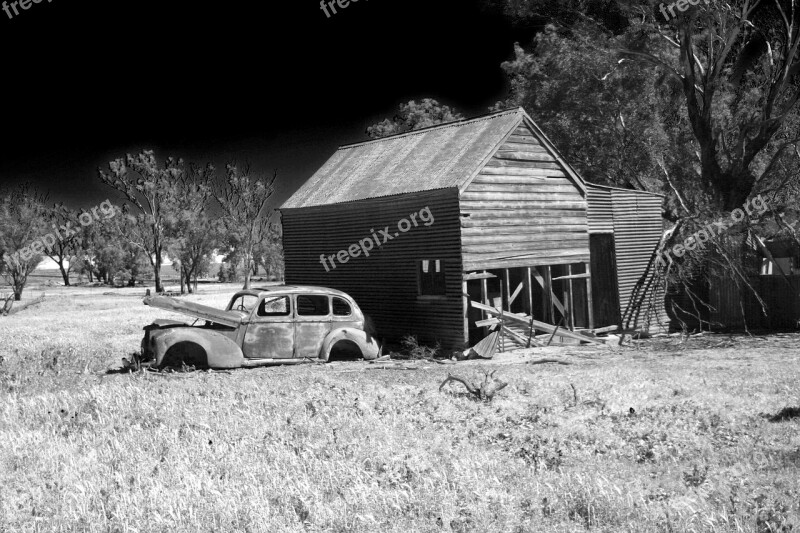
[{"x": 439, "y": 157}]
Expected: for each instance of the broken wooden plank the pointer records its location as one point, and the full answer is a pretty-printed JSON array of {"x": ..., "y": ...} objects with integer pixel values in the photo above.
[
  {"x": 538, "y": 277},
  {"x": 572, "y": 276},
  {"x": 478, "y": 275},
  {"x": 486, "y": 323},
  {"x": 542, "y": 326},
  {"x": 514, "y": 296},
  {"x": 514, "y": 336},
  {"x": 550, "y": 338}
]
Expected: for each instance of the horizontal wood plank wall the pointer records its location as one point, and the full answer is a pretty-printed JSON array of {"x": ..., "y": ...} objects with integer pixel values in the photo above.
[
  {"x": 522, "y": 210},
  {"x": 384, "y": 284}
]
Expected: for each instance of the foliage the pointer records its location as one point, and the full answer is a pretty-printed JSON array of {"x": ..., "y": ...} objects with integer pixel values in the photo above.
[
  {"x": 245, "y": 216},
  {"x": 703, "y": 108},
  {"x": 66, "y": 250},
  {"x": 151, "y": 189},
  {"x": 191, "y": 234},
  {"x": 22, "y": 223},
  {"x": 268, "y": 254},
  {"x": 414, "y": 116}
]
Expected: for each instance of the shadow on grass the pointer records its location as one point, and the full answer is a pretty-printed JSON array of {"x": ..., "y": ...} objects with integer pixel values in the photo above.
[{"x": 787, "y": 413}]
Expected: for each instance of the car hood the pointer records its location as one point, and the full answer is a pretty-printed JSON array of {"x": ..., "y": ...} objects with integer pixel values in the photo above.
[{"x": 225, "y": 318}]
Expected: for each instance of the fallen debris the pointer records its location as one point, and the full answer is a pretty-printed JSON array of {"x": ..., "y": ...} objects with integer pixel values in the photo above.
[
  {"x": 484, "y": 391},
  {"x": 7, "y": 308},
  {"x": 484, "y": 349},
  {"x": 506, "y": 318},
  {"x": 544, "y": 361}
]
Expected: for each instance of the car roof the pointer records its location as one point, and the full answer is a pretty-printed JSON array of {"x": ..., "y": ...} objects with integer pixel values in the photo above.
[{"x": 295, "y": 289}]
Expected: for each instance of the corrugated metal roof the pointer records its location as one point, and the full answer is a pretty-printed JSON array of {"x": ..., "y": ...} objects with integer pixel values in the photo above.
[{"x": 439, "y": 157}]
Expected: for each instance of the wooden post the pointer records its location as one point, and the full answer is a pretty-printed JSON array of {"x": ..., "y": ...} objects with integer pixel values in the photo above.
[
  {"x": 548, "y": 283},
  {"x": 589, "y": 295},
  {"x": 571, "y": 300},
  {"x": 484, "y": 300},
  {"x": 465, "y": 305},
  {"x": 507, "y": 291},
  {"x": 502, "y": 333},
  {"x": 530, "y": 290}
]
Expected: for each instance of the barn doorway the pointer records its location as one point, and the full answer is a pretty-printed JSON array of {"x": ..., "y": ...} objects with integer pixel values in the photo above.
[{"x": 605, "y": 290}]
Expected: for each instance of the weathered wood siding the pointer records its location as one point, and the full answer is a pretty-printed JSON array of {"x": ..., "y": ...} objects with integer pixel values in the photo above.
[
  {"x": 384, "y": 284},
  {"x": 523, "y": 210}
]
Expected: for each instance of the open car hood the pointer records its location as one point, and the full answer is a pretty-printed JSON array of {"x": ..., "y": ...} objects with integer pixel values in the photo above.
[{"x": 225, "y": 318}]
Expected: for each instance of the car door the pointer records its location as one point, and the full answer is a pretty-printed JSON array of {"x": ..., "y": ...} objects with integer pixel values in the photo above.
[
  {"x": 312, "y": 323},
  {"x": 270, "y": 333}
]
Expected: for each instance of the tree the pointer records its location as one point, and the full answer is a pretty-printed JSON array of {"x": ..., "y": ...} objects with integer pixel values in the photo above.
[
  {"x": 413, "y": 116},
  {"x": 65, "y": 250},
  {"x": 245, "y": 215},
  {"x": 22, "y": 232},
  {"x": 737, "y": 64},
  {"x": 192, "y": 234},
  {"x": 702, "y": 107},
  {"x": 150, "y": 189},
  {"x": 269, "y": 253}
]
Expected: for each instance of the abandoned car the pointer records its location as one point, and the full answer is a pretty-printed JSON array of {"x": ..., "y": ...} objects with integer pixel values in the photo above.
[{"x": 262, "y": 326}]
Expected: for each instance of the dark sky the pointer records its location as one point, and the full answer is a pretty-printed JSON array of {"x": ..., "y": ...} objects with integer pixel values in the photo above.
[{"x": 275, "y": 83}]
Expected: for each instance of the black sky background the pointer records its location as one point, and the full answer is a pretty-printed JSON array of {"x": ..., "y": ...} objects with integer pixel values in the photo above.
[{"x": 276, "y": 84}]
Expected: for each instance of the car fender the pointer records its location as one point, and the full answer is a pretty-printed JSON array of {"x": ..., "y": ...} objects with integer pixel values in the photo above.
[
  {"x": 218, "y": 350},
  {"x": 366, "y": 343}
]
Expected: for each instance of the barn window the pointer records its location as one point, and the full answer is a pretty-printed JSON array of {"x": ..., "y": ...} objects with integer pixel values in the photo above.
[{"x": 431, "y": 277}]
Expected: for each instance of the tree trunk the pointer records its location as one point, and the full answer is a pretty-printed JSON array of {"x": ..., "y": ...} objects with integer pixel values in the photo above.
[
  {"x": 157, "y": 271},
  {"x": 246, "y": 272},
  {"x": 195, "y": 281},
  {"x": 64, "y": 272},
  {"x": 182, "y": 275}
]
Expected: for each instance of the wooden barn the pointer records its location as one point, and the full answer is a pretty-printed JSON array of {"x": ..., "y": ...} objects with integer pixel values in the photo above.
[{"x": 416, "y": 225}]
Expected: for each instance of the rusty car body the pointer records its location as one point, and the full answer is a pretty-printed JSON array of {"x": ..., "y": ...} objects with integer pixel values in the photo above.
[{"x": 262, "y": 326}]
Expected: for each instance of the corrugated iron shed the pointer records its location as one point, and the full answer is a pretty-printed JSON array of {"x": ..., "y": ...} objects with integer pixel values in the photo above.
[{"x": 600, "y": 213}]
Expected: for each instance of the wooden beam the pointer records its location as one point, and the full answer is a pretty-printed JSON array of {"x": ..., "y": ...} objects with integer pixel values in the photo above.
[
  {"x": 572, "y": 276},
  {"x": 514, "y": 296},
  {"x": 478, "y": 275},
  {"x": 514, "y": 336},
  {"x": 465, "y": 309},
  {"x": 550, "y": 338},
  {"x": 543, "y": 282},
  {"x": 542, "y": 326},
  {"x": 589, "y": 295},
  {"x": 571, "y": 299},
  {"x": 530, "y": 289},
  {"x": 502, "y": 336}
]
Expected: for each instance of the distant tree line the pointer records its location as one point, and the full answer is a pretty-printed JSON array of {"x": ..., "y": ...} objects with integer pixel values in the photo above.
[{"x": 168, "y": 209}]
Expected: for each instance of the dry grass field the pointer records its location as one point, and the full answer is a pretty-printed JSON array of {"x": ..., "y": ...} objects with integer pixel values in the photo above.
[{"x": 661, "y": 438}]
